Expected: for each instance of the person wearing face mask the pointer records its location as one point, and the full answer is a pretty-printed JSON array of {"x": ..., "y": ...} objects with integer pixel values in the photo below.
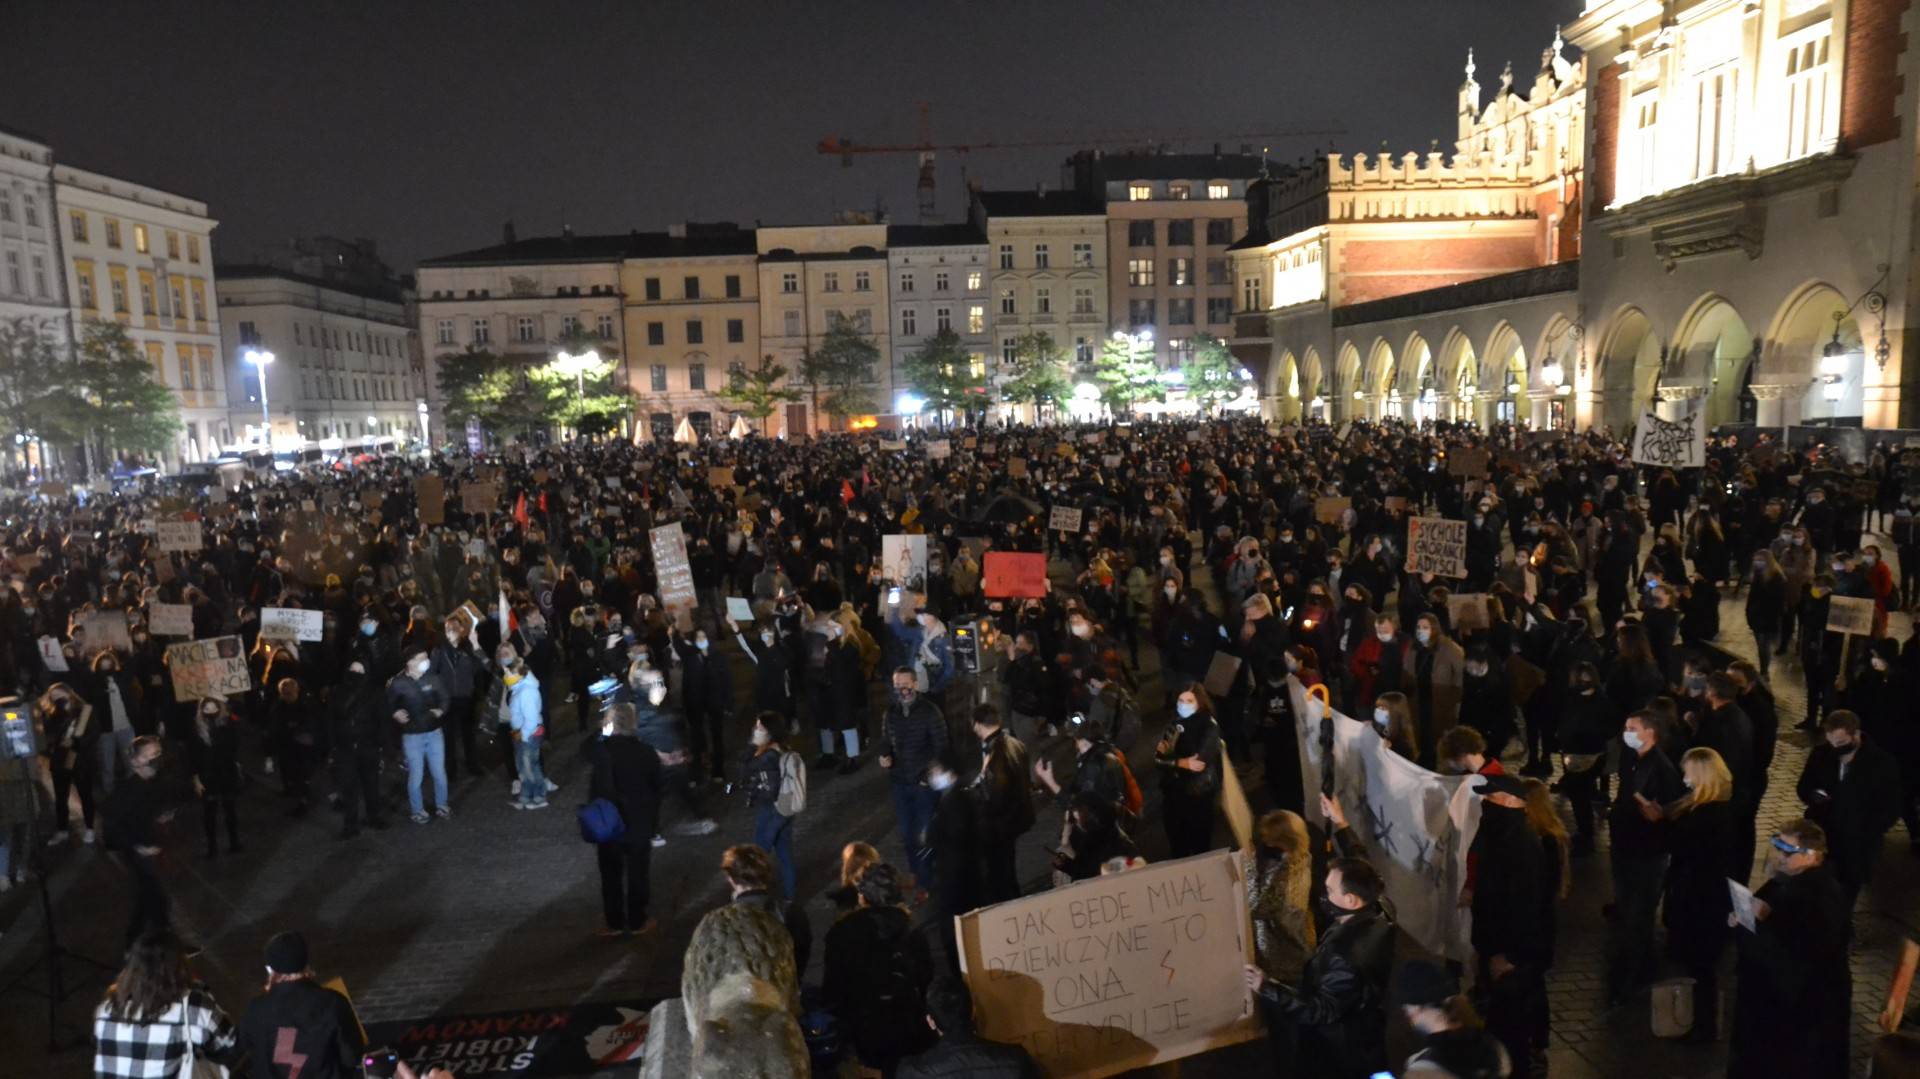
[
  {"x": 355, "y": 737},
  {"x": 1453, "y": 1043},
  {"x": 772, "y": 670},
  {"x": 1337, "y": 1010},
  {"x": 1796, "y": 558},
  {"x": 1851, "y": 788},
  {"x": 527, "y": 727},
  {"x": 1278, "y": 867},
  {"x": 1878, "y": 579},
  {"x": 213, "y": 752},
  {"x": 665, "y": 732},
  {"x": 1189, "y": 761},
  {"x": 1648, "y": 782},
  {"x": 1905, "y": 533},
  {"x": 68, "y": 744},
  {"x": 1376, "y": 666},
  {"x": 417, "y": 703},
  {"x": 295, "y": 715},
  {"x": 769, "y": 772},
  {"x": 955, "y": 846},
  {"x": 912, "y": 733},
  {"x": 626, "y": 772},
  {"x": 1818, "y": 519},
  {"x": 1766, "y": 605},
  {"x": 132, "y": 820},
  {"x": 1703, "y": 829},
  {"x": 1438, "y": 667},
  {"x": 117, "y": 711},
  {"x": 706, "y": 695},
  {"x": 1793, "y": 1012},
  {"x": 1392, "y": 719},
  {"x": 459, "y": 664},
  {"x": 1003, "y": 803},
  {"x": 1819, "y": 650}
]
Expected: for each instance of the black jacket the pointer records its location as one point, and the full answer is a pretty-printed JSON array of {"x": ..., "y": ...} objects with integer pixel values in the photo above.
[
  {"x": 1855, "y": 811},
  {"x": 1198, "y": 736},
  {"x": 953, "y": 838},
  {"x": 912, "y": 736},
  {"x": 1705, "y": 855},
  {"x": 1727, "y": 731},
  {"x": 354, "y": 716},
  {"x": 301, "y": 1020},
  {"x": 1001, "y": 791},
  {"x": 1507, "y": 884},
  {"x": 1793, "y": 1013},
  {"x": 966, "y": 1056},
  {"x": 1340, "y": 1004},
  {"x": 1652, "y": 776},
  {"x": 626, "y": 772},
  {"x": 423, "y": 700},
  {"x": 1026, "y": 681}
]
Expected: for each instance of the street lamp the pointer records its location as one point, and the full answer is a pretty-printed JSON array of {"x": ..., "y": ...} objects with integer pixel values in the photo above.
[
  {"x": 260, "y": 358},
  {"x": 578, "y": 364}
]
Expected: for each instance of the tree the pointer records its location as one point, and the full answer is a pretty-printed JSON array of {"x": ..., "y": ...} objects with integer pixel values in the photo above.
[
  {"x": 117, "y": 401},
  {"x": 580, "y": 393},
  {"x": 495, "y": 390},
  {"x": 1037, "y": 373},
  {"x": 34, "y": 405},
  {"x": 1212, "y": 375},
  {"x": 941, "y": 373},
  {"x": 843, "y": 365},
  {"x": 1126, "y": 372},
  {"x": 758, "y": 392}
]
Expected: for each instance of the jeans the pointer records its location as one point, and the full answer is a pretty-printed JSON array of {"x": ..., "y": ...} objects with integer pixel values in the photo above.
[
  {"x": 913, "y": 806},
  {"x": 1637, "y": 883},
  {"x": 1763, "y": 645},
  {"x": 110, "y": 749},
  {"x": 526, "y": 757},
  {"x": 424, "y": 752},
  {"x": 773, "y": 833}
]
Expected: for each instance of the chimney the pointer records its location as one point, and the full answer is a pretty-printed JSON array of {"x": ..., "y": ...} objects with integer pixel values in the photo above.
[{"x": 506, "y": 233}]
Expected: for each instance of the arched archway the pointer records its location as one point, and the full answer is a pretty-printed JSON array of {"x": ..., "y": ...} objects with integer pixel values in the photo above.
[
  {"x": 1814, "y": 361},
  {"x": 1378, "y": 378},
  {"x": 1712, "y": 351},
  {"x": 1628, "y": 367},
  {"x": 1416, "y": 382},
  {"x": 1313, "y": 384},
  {"x": 1347, "y": 392},
  {"x": 1287, "y": 388},
  {"x": 1459, "y": 372},
  {"x": 1503, "y": 377}
]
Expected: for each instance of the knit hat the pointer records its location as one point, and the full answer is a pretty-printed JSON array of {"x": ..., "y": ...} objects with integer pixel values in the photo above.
[
  {"x": 1423, "y": 984},
  {"x": 287, "y": 953}
]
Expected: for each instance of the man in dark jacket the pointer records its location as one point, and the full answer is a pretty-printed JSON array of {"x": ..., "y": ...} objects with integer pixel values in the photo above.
[
  {"x": 1726, "y": 729},
  {"x": 912, "y": 733},
  {"x": 298, "y": 1029},
  {"x": 626, "y": 772},
  {"x": 1025, "y": 678},
  {"x": 962, "y": 1054},
  {"x": 1793, "y": 1013},
  {"x": 706, "y": 690},
  {"x": 1852, "y": 789},
  {"x": 417, "y": 703},
  {"x": 1509, "y": 906},
  {"x": 133, "y": 818},
  {"x": 354, "y": 739},
  {"x": 1003, "y": 803},
  {"x": 1648, "y": 782},
  {"x": 954, "y": 844},
  {"x": 460, "y": 666},
  {"x": 1339, "y": 1007}
]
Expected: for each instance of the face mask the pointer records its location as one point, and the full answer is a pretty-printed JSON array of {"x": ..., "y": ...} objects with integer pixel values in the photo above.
[
  {"x": 368, "y": 629},
  {"x": 420, "y": 670},
  {"x": 1633, "y": 740},
  {"x": 1166, "y": 560},
  {"x": 1878, "y": 663},
  {"x": 1286, "y": 537},
  {"x": 1867, "y": 559},
  {"x": 1185, "y": 710},
  {"x": 701, "y": 643},
  {"x": 1422, "y": 635},
  {"x": 766, "y": 638},
  {"x": 1843, "y": 748},
  {"x": 656, "y": 695},
  {"x": 1330, "y": 910},
  {"x": 1476, "y": 673},
  {"x": 1171, "y": 592},
  {"x": 761, "y": 737},
  {"x": 1082, "y": 630},
  {"x": 1382, "y": 718},
  {"x": 940, "y": 781}
]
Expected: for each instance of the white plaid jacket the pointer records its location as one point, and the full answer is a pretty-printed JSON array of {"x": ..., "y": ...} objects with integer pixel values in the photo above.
[{"x": 158, "y": 1049}]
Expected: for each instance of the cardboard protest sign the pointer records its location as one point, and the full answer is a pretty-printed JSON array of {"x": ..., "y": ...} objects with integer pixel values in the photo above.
[
  {"x": 903, "y": 560},
  {"x": 1013, "y": 575},
  {"x": 1328, "y": 511},
  {"x": 939, "y": 450},
  {"x": 1193, "y": 437},
  {"x": 1233, "y": 803},
  {"x": 1110, "y": 460},
  {"x": 1016, "y": 466},
  {"x": 51, "y": 656},
  {"x": 1466, "y": 462},
  {"x": 1118, "y": 972},
  {"x": 55, "y": 490},
  {"x": 1064, "y": 519},
  {"x": 106, "y": 629},
  {"x": 170, "y": 619},
  {"x": 892, "y": 444},
  {"x": 481, "y": 498},
  {"x": 210, "y": 668},
  {"x": 182, "y": 536},
  {"x": 1467, "y": 612},
  {"x": 1123, "y": 431},
  {"x": 292, "y": 624},
  {"x": 970, "y": 442},
  {"x": 740, "y": 609},
  {"x": 1436, "y": 545},
  {"x": 373, "y": 500},
  {"x": 1850, "y": 614},
  {"x": 1671, "y": 443},
  {"x": 1063, "y": 449},
  {"x": 718, "y": 476},
  {"x": 671, "y": 567},
  {"x": 1221, "y": 672},
  {"x": 1395, "y": 502},
  {"x": 430, "y": 492}
]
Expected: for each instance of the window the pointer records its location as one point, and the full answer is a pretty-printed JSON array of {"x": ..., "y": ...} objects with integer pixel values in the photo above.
[
  {"x": 653, "y": 288},
  {"x": 1250, "y": 292},
  {"x": 1009, "y": 349},
  {"x": 523, "y": 328},
  {"x": 1716, "y": 96},
  {"x": 862, "y": 281},
  {"x": 977, "y": 365},
  {"x": 942, "y": 319},
  {"x": 1180, "y": 234},
  {"x": 793, "y": 323},
  {"x": 1083, "y": 301},
  {"x": 186, "y": 369},
  {"x": 113, "y": 233},
  {"x": 6, "y": 206},
  {"x": 569, "y": 325},
  {"x": 140, "y": 238},
  {"x": 443, "y": 332},
  {"x": 1219, "y": 309},
  {"x": 1139, "y": 192},
  {"x": 863, "y": 320},
  {"x": 31, "y": 211},
  {"x": 1180, "y": 350},
  {"x": 1139, "y": 272},
  {"x": 206, "y": 371},
  {"x": 1219, "y": 232},
  {"x": 193, "y": 249},
  {"x": 482, "y": 331},
  {"x": 1217, "y": 272},
  {"x": 940, "y": 281},
  {"x": 1083, "y": 255},
  {"x": 1219, "y": 191},
  {"x": 40, "y": 276},
  {"x": 86, "y": 289},
  {"x": 14, "y": 282},
  {"x": 976, "y": 318},
  {"x": 973, "y": 280},
  {"x": 909, "y": 322},
  {"x": 696, "y": 332},
  {"x": 656, "y": 333},
  {"x": 1040, "y": 257},
  {"x": 906, "y": 282},
  {"x": 147, "y": 306},
  {"x": 1008, "y": 304},
  {"x": 1043, "y": 301},
  {"x": 1806, "y": 98},
  {"x": 118, "y": 286},
  {"x": 79, "y": 221},
  {"x": 1139, "y": 313},
  {"x": 249, "y": 333},
  {"x": 1182, "y": 192},
  {"x": 1140, "y": 234},
  {"x": 789, "y": 282},
  {"x": 1180, "y": 312},
  {"x": 1179, "y": 271},
  {"x": 199, "y": 302},
  {"x": 1006, "y": 256},
  {"x": 173, "y": 245},
  {"x": 696, "y": 376},
  {"x": 1083, "y": 350},
  {"x": 658, "y": 378},
  {"x": 830, "y": 281},
  {"x": 736, "y": 331},
  {"x": 604, "y": 326},
  {"x": 179, "y": 301},
  {"x": 690, "y": 287},
  {"x": 733, "y": 286}
]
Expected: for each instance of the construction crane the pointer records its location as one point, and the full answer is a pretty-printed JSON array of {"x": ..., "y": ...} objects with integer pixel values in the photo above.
[{"x": 925, "y": 147}]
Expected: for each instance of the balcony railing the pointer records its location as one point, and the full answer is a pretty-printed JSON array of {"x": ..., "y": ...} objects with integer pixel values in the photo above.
[{"x": 1538, "y": 281}]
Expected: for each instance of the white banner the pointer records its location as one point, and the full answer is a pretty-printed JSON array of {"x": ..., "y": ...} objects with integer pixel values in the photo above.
[
  {"x": 1064, "y": 519},
  {"x": 903, "y": 560},
  {"x": 940, "y": 450},
  {"x": 170, "y": 619},
  {"x": 292, "y": 624},
  {"x": 1669, "y": 443},
  {"x": 182, "y": 536},
  {"x": 1416, "y": 825}
]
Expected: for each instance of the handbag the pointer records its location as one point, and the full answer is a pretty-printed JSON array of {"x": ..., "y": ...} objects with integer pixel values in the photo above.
[{"x": 191, "y": 1066}]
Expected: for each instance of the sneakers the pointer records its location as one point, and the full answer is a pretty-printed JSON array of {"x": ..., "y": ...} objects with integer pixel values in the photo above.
[
  {"x": 59, "y": 837},
  {"x": 661, "y": 841},
  {"x": 87, "y": 837},
  {"x": 516, "y": 788},
  {"x": 695, "y": 827},
  {"x": 517, "y": 803},
  {"x": 552, "y": 788},
  {"x": 420, "y": 818},
  {"x": 442, "y": 812},
  {"x": 538, "y": 803}
]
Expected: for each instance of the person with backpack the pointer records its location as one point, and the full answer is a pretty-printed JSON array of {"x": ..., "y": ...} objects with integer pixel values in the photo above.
[
  {"x": 1114, "y": 708},
  {"x": 1099, "y": 769},
  {"x": 627, "y": 775},
  {"x": 776, "y": 782},
  {"x": 1004, "y": 803},
  {"x": 877, "y": 970}
]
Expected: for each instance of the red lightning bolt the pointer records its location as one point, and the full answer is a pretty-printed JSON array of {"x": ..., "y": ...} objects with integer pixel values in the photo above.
[
  {"x": 1166, "y": 967},
  {"x": 283, "y": 1052}
]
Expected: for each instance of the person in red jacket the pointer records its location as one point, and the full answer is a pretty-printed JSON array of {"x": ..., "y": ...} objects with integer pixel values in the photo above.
[
  {"x": 1880, "y": 584},
  {"x": 1375, "y": 665}
]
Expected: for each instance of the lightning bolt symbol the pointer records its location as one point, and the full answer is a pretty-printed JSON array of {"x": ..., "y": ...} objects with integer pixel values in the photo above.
[
  {"x": 1166, "y": 967},
  {"x": 283, "y": 1052}
]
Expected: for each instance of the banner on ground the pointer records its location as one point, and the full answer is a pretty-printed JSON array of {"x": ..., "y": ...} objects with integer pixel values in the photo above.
[
  {"x": 211, "y": 668},
  {"x": 1064, "y": 519},
  {"x": 1013, "y": 575},
  {"x": 903, "y": 560},
  {"x": 1437, "y": 545},
  {"x": 671, "y": 568},
  {"x": 1118, "y": 972},
  {"x": 292, "y": 624},
  {"x": 1416, "y": 825},
  {"x": 170, "y": 619},
  {"x": 179, "y": 536},
  {"x": 1671, "y": 443}
]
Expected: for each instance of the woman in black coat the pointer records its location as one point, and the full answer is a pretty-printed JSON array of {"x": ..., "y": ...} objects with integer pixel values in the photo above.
[
  {"x": 213, "y": 749},
  {"x": 626, "y": 772},
  {"x": 1766, "y": 605},
  {"x": 1794, "y": 1009},
  {"x": 877, "y": 970},
  {"x": 772, "y": 670},
  {"x": 1188, "y": 758},
  {"x": 1702, "y": 832}
]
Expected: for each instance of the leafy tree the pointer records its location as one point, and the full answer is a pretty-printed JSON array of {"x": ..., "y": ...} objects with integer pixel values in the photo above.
[
  {"x": 843, "y": 366},
  {"x": 1126, "y": 372},
  {"x": 580, "y": 395},
  {"x": 33, "y": 403},
  {"x": 118, "y": 402},
  {"x": 496, "y": 390},
  {"x": 1037, "y": 374},
  {"x": 757, "y": 392},
  {"x": 1212, "y": 375},
  {"x": 941, "y": 373}
]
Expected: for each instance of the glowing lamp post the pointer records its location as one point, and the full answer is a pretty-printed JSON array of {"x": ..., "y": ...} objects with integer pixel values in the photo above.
[
  {"x": 578, "y": 364},
  {"x": 261, "y": 359}
]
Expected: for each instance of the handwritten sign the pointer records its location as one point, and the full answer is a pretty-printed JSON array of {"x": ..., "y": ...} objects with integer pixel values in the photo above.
[
  {"x": 1119, "y": 972},
  {"x": 181, "y": 536},
  {"x": 1016, "y": 466},
  {"x": 106, "y": 629},
  {"x": 211, "y": 668},
  {"x": 1467, "y": 612},
  {"x": 430, "y": 493},
  {"x": 1850, "y": 614},
  {"x": 51, "y": 656},
  {"x": 1064, "y": 519},
  {"x": 1437, "y": 545},
  {"x": 1670, "y": 443},
  {"x": 1013, "y": 575},
  {"x": 481, "y": 498},
  {"x": 671, "y": 567},
  {"x": 1466, "y": 462},
  {"x": 740, "y": 609},
  {"x": 292, "y": 624},
  {"x": 1110, "y": 460},
  {"x": 718, "y": 476},
  {"x": 939, "y": 450},
  {"x": 1328, "y": 511},
  {"x": 170, "y": 619}
]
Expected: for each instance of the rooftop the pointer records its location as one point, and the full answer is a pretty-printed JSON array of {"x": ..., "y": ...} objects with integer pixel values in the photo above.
[
  {"x": 255, "y": 271},
  {"x": 1039, "y": 204},
  {"x": 683, "y": 241},
  {"x": 933, "y": 235}
]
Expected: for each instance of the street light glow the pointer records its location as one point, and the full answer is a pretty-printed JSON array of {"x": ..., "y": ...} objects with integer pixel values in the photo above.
[
  {"x": 908, "y": 405},
  {"x": 577, "y": 364}
]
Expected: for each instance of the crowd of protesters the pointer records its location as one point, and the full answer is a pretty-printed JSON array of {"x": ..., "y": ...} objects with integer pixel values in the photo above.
[{"x": 470, "y": 604}]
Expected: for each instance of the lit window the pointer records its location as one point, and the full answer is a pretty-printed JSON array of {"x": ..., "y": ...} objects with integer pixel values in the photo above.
[
  {"x": 1083, "y": 255},
  {"x": 1179, "y": 271},
  {"x": 1219, "y": 191},
  {"x": 1139, "y": 192},
  {"x": 140, "y": 238},
  {"x": 976, "y": 318},
  {"x": 1180, "y": 192},
  {"x": 173, "y": 245},
  {"x": 973, "y": 280},
  {"x": 1139, "y": 271}
]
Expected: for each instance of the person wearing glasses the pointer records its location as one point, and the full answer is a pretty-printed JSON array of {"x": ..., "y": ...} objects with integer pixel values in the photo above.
[{"x": 1794, "y": 1007}]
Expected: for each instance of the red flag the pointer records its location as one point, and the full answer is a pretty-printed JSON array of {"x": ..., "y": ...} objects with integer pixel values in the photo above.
[
  {"x": 520, "y": 509},
  {"x": 846, "y": 491}
]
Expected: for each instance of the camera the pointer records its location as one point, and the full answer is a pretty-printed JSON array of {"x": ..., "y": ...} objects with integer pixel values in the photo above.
[{"x": 382, "y": 1063}]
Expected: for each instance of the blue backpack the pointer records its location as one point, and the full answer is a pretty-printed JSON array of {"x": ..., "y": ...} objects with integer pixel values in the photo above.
[{"x": 600, "y": 822}]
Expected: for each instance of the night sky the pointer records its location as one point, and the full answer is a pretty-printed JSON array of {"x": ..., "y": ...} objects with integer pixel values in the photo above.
[{"x": 426, "y": 125}]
